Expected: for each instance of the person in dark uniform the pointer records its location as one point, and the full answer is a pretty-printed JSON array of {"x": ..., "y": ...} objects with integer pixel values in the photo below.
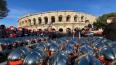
[
  {"x": 2, "y": 31},
  {"x": 110, "y": 31},
  {"x": 53, "y": 34}
]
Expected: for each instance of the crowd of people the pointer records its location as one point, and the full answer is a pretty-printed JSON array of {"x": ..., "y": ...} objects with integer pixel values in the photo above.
[{"x": 13, "y": 32}]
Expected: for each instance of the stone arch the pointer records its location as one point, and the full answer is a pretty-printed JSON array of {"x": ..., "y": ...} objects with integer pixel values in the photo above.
[
  {"x": 60, "y": 18},
  {"x": 82, "y": 18},
  {"x": 75, "y": 18},
  {"x": 54, "y": 27},
  {"x": 34, "y": 21},
  {"x": 39, "y": 20},
  {"x": 87, "y": 21},
  {"x": 29, "y": 20},
  {"x": 39, "y": 29},
  {"x": 90, "y": 25},
  {"x": 76, "y": 29},
  {"x": 60, "y": 29},
  {"x": 52, "y": 19},
  {"x": 68, "y": 29},
  {"x": 68, "y": 17},
  {"x": 46, "y": 20}
]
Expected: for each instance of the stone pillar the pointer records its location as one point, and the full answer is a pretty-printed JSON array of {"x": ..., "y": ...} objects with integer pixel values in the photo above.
[
  {"x": 63, "y": 18},
  {"x": 42, "y": 20},
  {"x": 56, "y": 19},
  {"x": 32, "y": 22},
  {"x": 37, "y": 22},
  {"x": 79, "y": 18},
  {"x": 72, "y": 18},
  {"x": 49, "y": 19}
]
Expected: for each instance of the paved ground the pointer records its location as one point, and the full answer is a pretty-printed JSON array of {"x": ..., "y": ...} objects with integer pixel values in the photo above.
[{"x": 4, "y": 63}]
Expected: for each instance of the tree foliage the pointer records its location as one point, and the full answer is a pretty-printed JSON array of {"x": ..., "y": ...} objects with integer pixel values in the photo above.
[
  {"x": 102, "y": 20},
  {"x": 3, "y": 9}
]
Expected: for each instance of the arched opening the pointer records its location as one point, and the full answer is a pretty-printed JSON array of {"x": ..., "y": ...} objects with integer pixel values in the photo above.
[
  {"x": 76, "y": 29},
  {"x": 68, "y": 18},
  {"x": 46, "y": 20},
  {"x": 52, "y": 19},
  {"x": 34, "y": 21},
  {"x": 82, "y": 17},
  {"x": 53, "y": 29},
  {"x": 40, "y": 29},
  {"x": 60, "y": 18},
  {"x": 68, "y": 30},
  {"x": 29, "y": 22},
  {"x": 86, "y": 21},
  {"x": 39, "y": 20},
  {"x": 60, "y": 29},
  {"x": 90, "y": 25},
  {"x": 75, "y": 18}
]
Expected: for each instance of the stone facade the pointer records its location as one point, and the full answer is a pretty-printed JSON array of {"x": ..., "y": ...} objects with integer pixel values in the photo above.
[{"x": 57, "y": 20}]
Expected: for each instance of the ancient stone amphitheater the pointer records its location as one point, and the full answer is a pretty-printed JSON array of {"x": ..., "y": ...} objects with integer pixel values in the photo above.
[{"x": 57, "y": 20}]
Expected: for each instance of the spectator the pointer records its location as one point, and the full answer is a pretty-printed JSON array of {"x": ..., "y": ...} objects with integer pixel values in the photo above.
[
  {"x": 2, "y": 31},
  {"x": 110, "y": 31}
]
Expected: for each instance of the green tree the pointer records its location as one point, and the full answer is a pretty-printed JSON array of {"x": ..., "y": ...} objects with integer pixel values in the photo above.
[
  {"x": 102, "y": 20},
  {"x": 3, "y": 9}
]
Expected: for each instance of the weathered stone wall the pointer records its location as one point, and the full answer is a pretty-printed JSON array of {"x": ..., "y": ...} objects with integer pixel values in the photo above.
[{"x": 56, "y": 19}]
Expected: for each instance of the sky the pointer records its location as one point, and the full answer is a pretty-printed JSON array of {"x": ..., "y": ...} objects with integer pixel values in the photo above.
[{"x": 18, "y": 8}]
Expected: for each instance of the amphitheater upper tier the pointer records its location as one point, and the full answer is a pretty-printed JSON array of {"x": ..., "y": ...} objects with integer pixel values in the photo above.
[{"x": 57, "y": 20}]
